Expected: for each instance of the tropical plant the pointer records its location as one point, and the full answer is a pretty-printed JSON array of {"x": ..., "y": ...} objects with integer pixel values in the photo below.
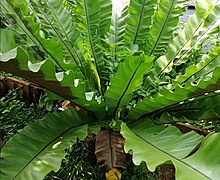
[{"x": 124, "y": 69}]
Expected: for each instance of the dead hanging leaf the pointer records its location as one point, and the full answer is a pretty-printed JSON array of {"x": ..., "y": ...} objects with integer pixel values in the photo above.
[
  {"x": 110, "y": 149},
  {"x": 113, "y": 174}
]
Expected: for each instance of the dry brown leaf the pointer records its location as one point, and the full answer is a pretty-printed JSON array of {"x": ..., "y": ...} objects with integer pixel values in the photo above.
[{"x": 110, "y": 149}]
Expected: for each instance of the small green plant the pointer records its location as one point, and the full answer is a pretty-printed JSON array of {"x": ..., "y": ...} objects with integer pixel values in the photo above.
[
  {"x": 77, "y": 164},
  {"x": 16, "y": 114}
]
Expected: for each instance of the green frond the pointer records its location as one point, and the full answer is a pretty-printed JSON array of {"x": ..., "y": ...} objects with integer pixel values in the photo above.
[
  {"x": 164, "y": 23},
  {"x": 157, "y": 145},
  {"x": 208, "y": 60},
  {"x": 166, "y": 97},
  {"x": 117, "y": 30},
  {"x": 39, "y": 148},
  {"x": 105, "y": 16},
  {"x": 197, "y": 25},
  {"x": 139, "y": 20},
  {"x": 131, "y": 71},
  {"x": 28, "y": 25},
  {"x": 89, "y": 14},
  {"x": 196, "y": 108},
  {"x": 57, "y": 21},
  {"x": 16, "y": 60}
]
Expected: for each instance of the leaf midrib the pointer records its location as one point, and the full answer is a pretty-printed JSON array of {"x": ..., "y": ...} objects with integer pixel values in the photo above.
[
  {"x": 166, "y": 20},
  {"x": 176, "y": 103},
  {"x": 126, "y": 89},
  {"x": 180, "y": 49},
  {"x": 183, "y": 45},
  {"x": 39, "y": 53},
  {"x": 199, "y": 69},
  {"x": 115, "y": 35},
  {"x": 36, "y": 40},
  {"x": 168, "y": 154},
  {"x": 54, "y": 139},
  {"x": 90, "y": 38},
  {"x": 197, "y": 40},
  {"x": 55, "y": 15},
  {"x": 139, "y": 22}
]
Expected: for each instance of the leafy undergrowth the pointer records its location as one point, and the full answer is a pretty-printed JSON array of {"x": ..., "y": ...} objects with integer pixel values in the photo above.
[
  {"x": 16, "y": 114},
  {"x": 79, "y": 162}
]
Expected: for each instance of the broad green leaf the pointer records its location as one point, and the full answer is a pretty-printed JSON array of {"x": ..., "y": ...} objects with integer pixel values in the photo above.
[
  {"x": 166, "y": 97},
  {"x": 63, "y": 49},
  {"x": 165, "y": 141},
  {"x": 156, "y": 145},
  {"x": 117, "y": 29},
  {"x": 105, "y": 16},
  {"x": 127, "y": 80},
  {"x": 43, "y": 73},
  {"x": 27, "y": 23},
  {"x": 23, "y": 37},
  {"x": 39, "y": 148},
  {"x": 211, "y": 27},
  {"x": 212, "y": 58},
  {"x": 89, "y": 14},
  {"x": 58, "y": 22},
  {"x": 140, "y": 13},
  {"x": 206, "y": 163},
  {"x": 165, "y": 21},
  {"x": 197, "y": 25},
  {"x": 6, "y": 36},
  {"x": 11, "y": 54},
  {"x": 194, "y": 109},
  {"x": 210, "y": 114}
]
